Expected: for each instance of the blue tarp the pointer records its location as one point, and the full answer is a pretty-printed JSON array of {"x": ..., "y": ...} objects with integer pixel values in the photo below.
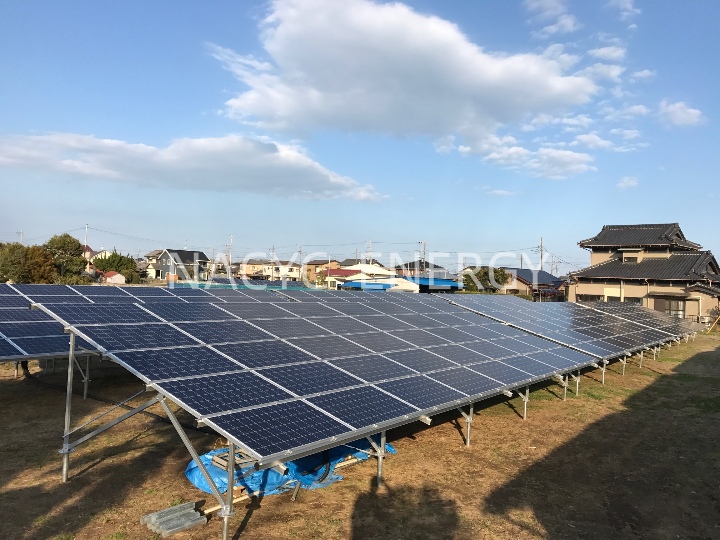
[
  {"x": 307, "y": 470},
  {"x": 367, "y": 285}
]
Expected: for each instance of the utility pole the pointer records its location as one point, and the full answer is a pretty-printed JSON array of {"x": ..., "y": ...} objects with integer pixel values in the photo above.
[
  {"x": 370, "y": 260},
  {"x": 541, "y": 253},
  {"x": 301, "y": 263},
  {"x": 356, "y": 257},
  {"x": 230, "y": 254},
  {"x": 424, "y": 264},
  {"x": 272, "y": 263},
  {"x": 20, "y": 234}
]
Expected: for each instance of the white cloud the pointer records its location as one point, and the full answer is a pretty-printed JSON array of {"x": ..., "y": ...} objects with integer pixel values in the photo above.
[
  {"x": 226, "y": 164},
  {"x": 626, "y": 7},
  {"x": 360, "y": 66},
  {"x": 513, "y": 156},
  {"x": 556, "y": 52},
  {"x": 592, "y": 140},
  {"x": 627, "y": 134},
  {"x": 643, "y": 74},
  {"x": 445, "y": 145},
  {"x": 559, "y": 164},
  {"x": 546, "y": 9},
  {"x": 501, "y": 193},
  {"x": 679, "y": 114},
  {"x": 569, "y": 123},
  {"x": 627, "y": 113},
  {"x": 602, "y": 71},
  {"x": 612, "y": 53},
  {"x": 627, "y": 182},
  {"x": 565, "y": 24}
]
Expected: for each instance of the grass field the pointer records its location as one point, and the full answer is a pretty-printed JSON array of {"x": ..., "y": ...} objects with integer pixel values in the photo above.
[{"x": 636, "y": 458}]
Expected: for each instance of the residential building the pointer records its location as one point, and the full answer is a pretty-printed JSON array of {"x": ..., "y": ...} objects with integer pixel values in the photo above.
[
  {"x": 335, "y": 277},
  {"x": 417, "y": 267},
  {"x": 250, "y": 269},
  {"x": 177, "y": 264},
  {"x": 359, "y": 260},
  {"x": 113, "y": 277},
  {"x": 652, "y": 265},
  {"x": 314, "y": 267},
  {"x": 535, "y": 283}
]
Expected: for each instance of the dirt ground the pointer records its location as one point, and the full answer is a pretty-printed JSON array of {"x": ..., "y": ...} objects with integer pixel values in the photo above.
[{"x": 636, "y": 458}]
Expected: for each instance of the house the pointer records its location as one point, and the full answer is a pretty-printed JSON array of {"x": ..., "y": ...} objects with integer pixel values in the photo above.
[
  {"x": 359, "y": 260},
  {"x": 174, "y": 264},
  {"x": 113, "y": 277},
  {"x": 250, "y": 269},
  {"x": 417, "y": 267},
  {"x": 390, "y": 284},
  {"x": 531, "y": 282},
  {"x": 314, "y": 267},
  {"x": 653, "y": 265},
  {"x": 335, "y": 277},
  {"x": 281, "y": 270}
]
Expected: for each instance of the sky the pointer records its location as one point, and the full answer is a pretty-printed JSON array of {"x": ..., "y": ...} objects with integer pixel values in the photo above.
[{"x": 477, "y": 127}]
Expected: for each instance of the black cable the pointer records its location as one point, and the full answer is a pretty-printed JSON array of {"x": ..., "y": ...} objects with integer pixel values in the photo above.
[{"x": 30, "y": 377}]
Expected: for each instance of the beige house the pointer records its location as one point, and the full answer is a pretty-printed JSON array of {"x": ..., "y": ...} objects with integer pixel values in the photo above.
[
  {"x": 313, "y": 268},
  {"x": 651, "y": 265}
]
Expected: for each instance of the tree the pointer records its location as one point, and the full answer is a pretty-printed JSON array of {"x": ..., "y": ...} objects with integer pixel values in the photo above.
[
  {"x": 482, "y": 277},
  {"x": 13, "y": 263},
  {"x": 131, "y": 276},
  {"x": 115, "y": 261},
  {"x": 67, "y": 253},
  {"x": 40, "y": 266}
]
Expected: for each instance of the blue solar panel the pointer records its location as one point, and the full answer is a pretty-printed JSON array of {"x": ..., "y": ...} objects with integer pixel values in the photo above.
[
  {"x": 147, "y": 291},
  {"x": 100, "y": 290},
  {"x": 421, "y": 392},
  {"x": 58, "y": 299},
  {"x": 533, "y": 367},
  {"x": 383, "y": 322},
  {"x": 342, "y": 325},
  {"x": 102, "y": 314},
  {"x": 289, "y": 328},
  {"x": 137, "y": 336},
  {"x": 6, "y": 289},
  {"x": 160, "y": 364},
  {"x": 419, "y": 338},
  {"x": 353, "y": 309},
  {"x": 218, "y": 393},
  {"x": 6, "y": 349},
  {"x": 56, "y": 345},
  {"x": 454, "y": 335},
  {"x": 113, "y": 299},
  {"x": 188, "y": 292},
  {"x": 255, "y": 310},
  {"x": 172, "y": 312},
  {"x": 23, "y": 314},
  {"x": 520, "y": 347},
  {"x": 380, "y": 342},
  {"x": 279, "y": 428},
  {"x": 14, "y": 301},
  {"x": 420, "y": 360},
  {"x": 327, "y": 347},
  {"x": 458, "y": 354},
  {"x": 362, "y": 407},
  {"x": 32, "y": 329},
  {"x": 420, "y": 321},
  {"x": 491, "y": 349},
  {"x": 372, "y": 368},
  {"x": 466, "y": 381},
  {"x": 264, "y": 353},
  {"x": 308, "y": 309},
  {"x": 502, "y": 372},
  {"x": 223, "y": 331},
  {"x": 33, "y": 289},
  {"x": 313, "y": 378}
]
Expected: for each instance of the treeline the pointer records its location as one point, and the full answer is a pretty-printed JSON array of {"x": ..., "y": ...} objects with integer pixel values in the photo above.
[{"x": 59, "y": 260}]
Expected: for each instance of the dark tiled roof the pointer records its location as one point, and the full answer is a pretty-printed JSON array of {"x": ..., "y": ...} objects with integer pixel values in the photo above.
[
  {"x": 662, "y": 234},
  {"x": 353, "y": 262},
  {"x": 703, "y": 288},
  {"x": 685, "y": 266},
  {"x": 187, "y": 257},
  {"x": 529, "y": 276},
  {"x": 412, "y": 265}
]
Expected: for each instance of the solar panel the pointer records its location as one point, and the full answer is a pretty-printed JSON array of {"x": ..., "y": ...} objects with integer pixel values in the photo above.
[
  {"x": 158, "y": 364},
  {"x": 289, "y": 328},
  {"x": 312, "y": 378},
  {"x": 255, "y": 310},
  {"x": 189, "y": 312},
  {"x": 343, "y": 325},
  {"x": 223, "y": 331},
  {"x": 137, "y": 336},
  {"x": 419, "y": 321},
  {"x": 58, "y": 299},
  {"x": 380, "y": 342},
  {"x": 455, "y": 335},
  {"x": 7, "y": 349},
  {"x": 74, "y": 314},
  {"x": 101, "y": 290},
  {"x": 308, "y": 309},
  {"x": 34, "y": 289},
  {"x": 113, "y": 299},
  {"x": 49, "y": 345},
  {"x": 419, "y": 338},
  {"x": 372, "y": 368},
  {"x": 422, "y": 392},
  {"x": 277, "y": 429},
  {"x": 362, "y": 407},
  {"x": 32, "y": 329},
  {"x": 383, "y": 322},
  {"x": 420, "y": 360},
  {"x": 458, "y": 354},
  {"x": 23, "y": 315},
  {"x": 14, "y": 301},
  {"x": 264, "y": 353},
  {"x": 504, "y": 373},
  {"x": 467, "y": 381},
  {"x": 219, "y": 393},
  {"x": 327, "y": 347}
]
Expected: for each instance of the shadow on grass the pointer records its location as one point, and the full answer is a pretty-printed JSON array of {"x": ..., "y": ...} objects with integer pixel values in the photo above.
[
  {"x": 403, "y": 512},
  {"x": 102, "y": 474},
  {"x": 650, "y": 471}
]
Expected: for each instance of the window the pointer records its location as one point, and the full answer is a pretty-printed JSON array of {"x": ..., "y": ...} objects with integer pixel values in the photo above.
[
  {"x": 633, "y": 300},
  {"x": 675, "y": 308},
  {"x": 630, "y": 260},
  {"x": 589, "y": 298}
]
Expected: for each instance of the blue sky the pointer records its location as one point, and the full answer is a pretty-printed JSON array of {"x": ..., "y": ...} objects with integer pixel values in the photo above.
[{"x": 475, "y": 126}]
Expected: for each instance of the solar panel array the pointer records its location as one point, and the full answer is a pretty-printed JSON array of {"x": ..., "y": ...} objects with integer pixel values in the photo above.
[
  {"x": 291, "y": 378},
  {"x": 648, "y": 317},
  {"x": 48, "y": 341},
  {"x": 600, "y": 333}
]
